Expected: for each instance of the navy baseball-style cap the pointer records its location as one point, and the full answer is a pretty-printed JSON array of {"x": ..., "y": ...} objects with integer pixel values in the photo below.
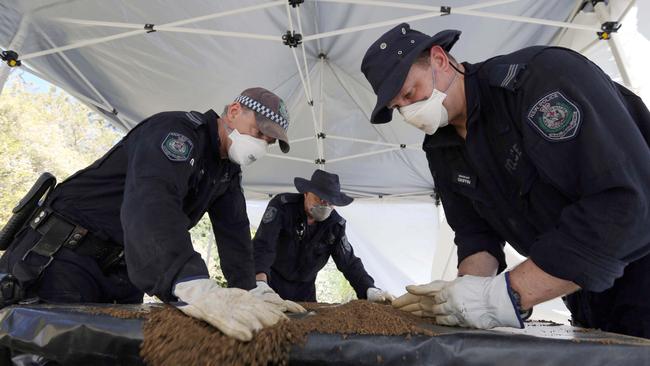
[
  {"x": 272, "y": 107},
  {"x": 389, "y": 59}
]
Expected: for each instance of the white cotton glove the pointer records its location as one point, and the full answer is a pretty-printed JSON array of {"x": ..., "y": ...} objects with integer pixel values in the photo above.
[
  {"x": 235, "y": 312},
  {"x": 265, "y": 293},
  {"x": 378, "y": 295},
  {"x": 468, "y": 301}
]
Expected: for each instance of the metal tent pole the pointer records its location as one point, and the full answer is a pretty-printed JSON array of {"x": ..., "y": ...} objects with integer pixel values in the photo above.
[
  {"x": 90, "y": 42},
  {"x": 603, "y": 15}
]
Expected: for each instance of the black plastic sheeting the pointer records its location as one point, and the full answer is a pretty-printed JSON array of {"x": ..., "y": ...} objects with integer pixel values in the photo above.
[{"x": 70, "y": 335}]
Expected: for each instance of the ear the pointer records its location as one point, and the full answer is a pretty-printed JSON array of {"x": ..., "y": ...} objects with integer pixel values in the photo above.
[
  {"x": 234, "y": 109},
  {"x": 439, "y": 59}
]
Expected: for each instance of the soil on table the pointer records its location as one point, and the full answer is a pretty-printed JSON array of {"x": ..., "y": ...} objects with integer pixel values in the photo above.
[{"x": 172, "y": 338}]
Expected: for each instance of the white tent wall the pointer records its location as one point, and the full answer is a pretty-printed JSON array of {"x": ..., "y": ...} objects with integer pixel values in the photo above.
[{"x": 395, "y": 249}]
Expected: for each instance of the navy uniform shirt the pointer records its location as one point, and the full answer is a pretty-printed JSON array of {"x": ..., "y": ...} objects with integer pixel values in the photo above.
[
  {"x": 286, "y": 246},
  {"x": 555, "y": 162},
  {"x": 151, "y": 188}
]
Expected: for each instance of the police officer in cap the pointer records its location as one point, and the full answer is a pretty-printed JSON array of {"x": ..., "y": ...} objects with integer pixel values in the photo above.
[
  {"x": 538, "y": 148},
  {"x": 119, "y": 227},
  {"x": 298, "y": 234}
]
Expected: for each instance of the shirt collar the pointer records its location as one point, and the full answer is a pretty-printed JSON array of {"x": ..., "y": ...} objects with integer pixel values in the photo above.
[
  {"x": 211, "y": 118},
  {"x": 472, "y": 91},
  {"x": 447, "y": 136}
]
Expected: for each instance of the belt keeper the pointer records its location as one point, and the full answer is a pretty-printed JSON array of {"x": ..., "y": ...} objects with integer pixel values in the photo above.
[
  {"x": 39, "y": 218},
  {"x": 75, "y": 238}
]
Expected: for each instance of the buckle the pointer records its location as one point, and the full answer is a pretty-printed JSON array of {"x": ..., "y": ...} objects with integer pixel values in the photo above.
[{"x": 41, "y": 268}]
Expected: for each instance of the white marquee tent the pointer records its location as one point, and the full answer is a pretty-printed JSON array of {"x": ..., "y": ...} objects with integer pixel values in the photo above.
[{"x": 129, "y": 59}]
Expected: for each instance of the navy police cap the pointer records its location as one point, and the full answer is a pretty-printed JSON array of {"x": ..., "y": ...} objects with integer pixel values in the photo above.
[{"x": 389, "y": 59}]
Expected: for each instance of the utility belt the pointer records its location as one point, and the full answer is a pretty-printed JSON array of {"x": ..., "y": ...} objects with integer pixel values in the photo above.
[{"x": 56, "y": 233}]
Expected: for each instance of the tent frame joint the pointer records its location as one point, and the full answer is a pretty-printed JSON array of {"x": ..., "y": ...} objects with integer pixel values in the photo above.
[
  {"x": 295, "y": 3},
  {"x": 320, "y": 161},
  {"x": 149, "y": 28},
  {"x": 322, "y": 56},
  {"x": 608, "y": 28},
  {"x": 11, "y": 58},
  {"x": 321, "y": 135},
  {"x": 292, "y": 39},
  {"x": 445, "y": 10}
]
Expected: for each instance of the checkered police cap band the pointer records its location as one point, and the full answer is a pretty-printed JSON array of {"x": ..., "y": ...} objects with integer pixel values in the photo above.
[{"x": 263, "y": 110}]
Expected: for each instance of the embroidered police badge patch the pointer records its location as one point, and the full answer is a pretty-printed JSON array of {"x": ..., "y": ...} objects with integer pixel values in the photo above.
[
  {"x": 269, "y": 214},
  {"x": 177, "y": 147},
  {"x": 555, "y": 117}
]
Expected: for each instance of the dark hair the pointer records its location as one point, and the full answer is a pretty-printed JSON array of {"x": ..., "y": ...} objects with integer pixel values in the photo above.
[{"x": 424, "y": 59}]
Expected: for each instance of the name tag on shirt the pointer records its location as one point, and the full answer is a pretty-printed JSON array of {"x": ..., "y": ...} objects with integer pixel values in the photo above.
[{"x": 464, "y": 179}]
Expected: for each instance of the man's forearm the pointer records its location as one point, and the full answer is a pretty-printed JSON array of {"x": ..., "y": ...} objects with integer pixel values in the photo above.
[
  {"x": 261, "y": 277},
  {"x": 482, "y": 264},
  {"x": 536, "y": 286}
]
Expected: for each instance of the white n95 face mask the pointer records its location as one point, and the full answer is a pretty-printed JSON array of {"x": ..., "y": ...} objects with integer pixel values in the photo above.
[
  {"x": 428, "y": 115},
  {"x": 320, "y": 212},
  {"x": 245, "y": 149}
]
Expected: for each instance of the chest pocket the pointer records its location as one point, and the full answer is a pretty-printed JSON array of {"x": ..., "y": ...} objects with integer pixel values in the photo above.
[{"x": 326, "y": 244}]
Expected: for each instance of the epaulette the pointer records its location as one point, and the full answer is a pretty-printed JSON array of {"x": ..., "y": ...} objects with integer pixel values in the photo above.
[
  {"x": 505, "y": 75},
  {"x": 289, "y": 197},
  {"x": 195, "y": 117}
]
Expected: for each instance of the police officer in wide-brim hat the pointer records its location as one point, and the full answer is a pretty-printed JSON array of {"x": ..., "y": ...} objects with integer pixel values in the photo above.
[{"x": 298, "y": 234}]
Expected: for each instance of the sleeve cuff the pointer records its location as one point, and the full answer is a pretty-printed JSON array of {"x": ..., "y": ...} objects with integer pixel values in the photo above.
[
  {"x": 472, "y": 244},
  {"x": 561, "y": 256}
]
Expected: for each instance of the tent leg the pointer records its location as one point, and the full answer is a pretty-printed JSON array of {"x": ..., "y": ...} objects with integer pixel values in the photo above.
[{"x": 603, "y": 15}]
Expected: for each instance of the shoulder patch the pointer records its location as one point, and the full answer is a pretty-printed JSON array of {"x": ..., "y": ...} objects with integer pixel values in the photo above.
[
  {"x": 555, "y": 117},
  {"x": 269, "y": 215},
  {"x": 505, "y": 75},
  {"x": 177, "y": 147}
]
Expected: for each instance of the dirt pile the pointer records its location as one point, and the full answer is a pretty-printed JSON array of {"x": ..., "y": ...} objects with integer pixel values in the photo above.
[{"x": 171, "y": 338}]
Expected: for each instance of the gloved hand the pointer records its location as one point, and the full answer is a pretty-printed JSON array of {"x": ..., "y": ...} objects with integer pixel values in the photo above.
[
  {"x": 235, "y": 312},
  {"x": 378, "y": 295},
  {"x": 264, "y": 292},
  {"x": 468, "y": 301}
]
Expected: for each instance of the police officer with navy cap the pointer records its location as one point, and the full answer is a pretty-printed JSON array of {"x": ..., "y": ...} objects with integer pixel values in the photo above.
[
  {"x": 298, "y": 234},
  {"x": 539, "y": 148},
  {"x": 119, "y": 227}
]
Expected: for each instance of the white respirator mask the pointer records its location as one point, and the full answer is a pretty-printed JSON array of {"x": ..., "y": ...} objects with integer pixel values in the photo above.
[
  {"x": 320, "y": 212},
  {"x": 245, "y": 149},
  {"x": 428, "y": 115}
]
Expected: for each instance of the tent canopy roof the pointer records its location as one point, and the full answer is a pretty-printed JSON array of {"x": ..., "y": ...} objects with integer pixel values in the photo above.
[{"x": 200, "y": 55}]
